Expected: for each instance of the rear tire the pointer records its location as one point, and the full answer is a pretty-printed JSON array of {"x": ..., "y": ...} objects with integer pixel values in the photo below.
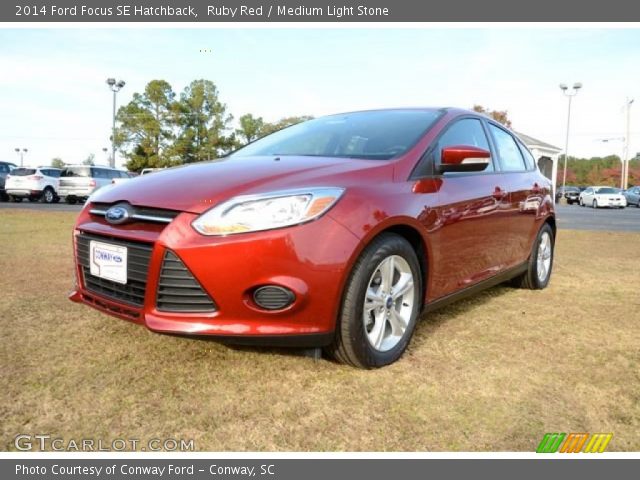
[
  {"x": 48, "y": 196},
  {"x": 380, "y": 305},
  {"x": 71, "y": 200},
  {"x": 540, "y": 262}
]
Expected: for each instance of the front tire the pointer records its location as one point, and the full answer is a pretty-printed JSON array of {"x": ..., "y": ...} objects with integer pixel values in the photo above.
[
  {"x": 581, "y": 202},
  {"x": 595, "y": 204},
  {"x": 380, "y": 304},
  {"x": 540, "y": 262}
]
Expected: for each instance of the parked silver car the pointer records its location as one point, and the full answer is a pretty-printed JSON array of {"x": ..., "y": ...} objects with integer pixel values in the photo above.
[
  {"x": 77, "y": 182},
  {"x": 633, "y": 196}
]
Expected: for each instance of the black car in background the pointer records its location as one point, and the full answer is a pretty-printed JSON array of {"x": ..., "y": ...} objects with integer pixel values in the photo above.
[{"x": 570, "y": 193}]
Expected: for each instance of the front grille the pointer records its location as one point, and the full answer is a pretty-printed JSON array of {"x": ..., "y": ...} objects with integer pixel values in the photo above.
[
  {"x": 138, "y": 257},
  {"x": 141, "y": 214},
  {"x": 178, "y": 289}
]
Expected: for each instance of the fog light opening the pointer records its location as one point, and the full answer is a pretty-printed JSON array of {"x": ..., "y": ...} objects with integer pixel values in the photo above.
[{"x": 273, "y": 297}]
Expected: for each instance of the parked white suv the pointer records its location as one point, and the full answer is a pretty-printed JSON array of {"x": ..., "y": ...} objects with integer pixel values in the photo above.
[
  {"x": 77, "y": 182},
  {"x": 41, "y": 183}
]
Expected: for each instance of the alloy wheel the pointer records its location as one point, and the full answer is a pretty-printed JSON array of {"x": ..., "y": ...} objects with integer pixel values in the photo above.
[
  {"x": 389, "y": 302},
  {"x": 544, "y": 257}
]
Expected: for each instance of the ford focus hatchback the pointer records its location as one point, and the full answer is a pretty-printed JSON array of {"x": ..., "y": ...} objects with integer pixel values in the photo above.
[{"x": 337, "y": 233}]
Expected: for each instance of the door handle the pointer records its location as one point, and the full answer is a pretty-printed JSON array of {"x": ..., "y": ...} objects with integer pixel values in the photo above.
[{"x": 499, "y": 193}]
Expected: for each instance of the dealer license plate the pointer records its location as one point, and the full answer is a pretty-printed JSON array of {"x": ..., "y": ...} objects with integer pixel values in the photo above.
[{"x": 108, "y": 261}]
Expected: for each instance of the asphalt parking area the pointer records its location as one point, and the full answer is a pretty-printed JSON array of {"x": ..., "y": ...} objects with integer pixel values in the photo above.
[{"x": 575, "y": 217}]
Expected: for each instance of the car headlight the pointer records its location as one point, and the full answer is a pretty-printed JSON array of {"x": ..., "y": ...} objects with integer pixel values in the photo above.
[{"x": 253, "y": 213}]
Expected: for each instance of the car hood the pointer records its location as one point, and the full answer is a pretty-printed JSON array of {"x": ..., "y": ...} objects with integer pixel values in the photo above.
[{"x": 199, "y": 186}]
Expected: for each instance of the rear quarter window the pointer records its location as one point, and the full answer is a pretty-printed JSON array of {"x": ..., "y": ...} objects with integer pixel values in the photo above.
[
  {"x": 76, "y": 172},
  {"x": 23, "y": 172}
]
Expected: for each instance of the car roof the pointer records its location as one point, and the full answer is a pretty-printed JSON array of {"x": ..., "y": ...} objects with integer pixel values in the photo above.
[{"x": 94, "y": 166}]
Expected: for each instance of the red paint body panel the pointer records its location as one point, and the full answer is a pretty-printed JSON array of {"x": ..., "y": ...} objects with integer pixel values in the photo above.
[{"x": 472, "y": 227}]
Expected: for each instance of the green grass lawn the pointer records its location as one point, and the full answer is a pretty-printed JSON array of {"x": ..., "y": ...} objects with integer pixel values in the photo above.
[{"x": 494, "y": 372}]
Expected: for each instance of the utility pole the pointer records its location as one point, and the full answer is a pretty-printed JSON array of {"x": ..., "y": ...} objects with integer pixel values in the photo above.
[{"x": 624, "y": 180}]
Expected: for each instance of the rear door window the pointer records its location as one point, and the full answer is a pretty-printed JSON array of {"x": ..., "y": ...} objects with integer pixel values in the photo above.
[
  {"x": 528, "y": 157},
  {"x": 510, "y": 156}
]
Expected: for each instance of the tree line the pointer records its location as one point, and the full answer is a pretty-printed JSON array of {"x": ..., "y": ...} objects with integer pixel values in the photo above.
[
  {"x": 159, "y": 128},
  {"x": 597, "y": 171}
]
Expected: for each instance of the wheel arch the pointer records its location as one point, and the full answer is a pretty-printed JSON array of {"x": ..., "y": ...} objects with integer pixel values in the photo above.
[
  {"x": 411, "y": 232},
  {"x": 551, "y": 220}
]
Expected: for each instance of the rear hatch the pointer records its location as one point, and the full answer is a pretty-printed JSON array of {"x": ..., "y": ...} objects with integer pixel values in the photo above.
[
  {"x": 76, "y": 179},
  {"x": 22, "y": 178}
]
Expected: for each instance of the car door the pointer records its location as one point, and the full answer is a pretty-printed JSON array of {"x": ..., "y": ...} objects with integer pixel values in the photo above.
[
  {"x": 587, "y": 196},
  {"x": 525, "y": 189},
  {"x": 470, "y": 216}
]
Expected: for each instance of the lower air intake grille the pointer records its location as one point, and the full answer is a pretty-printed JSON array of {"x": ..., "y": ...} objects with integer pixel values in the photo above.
[{"x": 178, "y": 290}]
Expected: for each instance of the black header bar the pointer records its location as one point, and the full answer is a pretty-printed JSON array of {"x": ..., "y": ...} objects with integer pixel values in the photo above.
[{"x": 318, "y": 11}]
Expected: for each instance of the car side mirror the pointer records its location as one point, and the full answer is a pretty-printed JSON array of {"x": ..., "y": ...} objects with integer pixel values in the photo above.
[{"x": 464, "y": 158}]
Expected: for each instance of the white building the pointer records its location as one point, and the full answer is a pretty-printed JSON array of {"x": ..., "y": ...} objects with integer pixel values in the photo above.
[{"x": 546, "y": 155}]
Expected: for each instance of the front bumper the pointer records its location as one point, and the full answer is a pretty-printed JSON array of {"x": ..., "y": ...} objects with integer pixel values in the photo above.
[{"x": 312, "y": 260}]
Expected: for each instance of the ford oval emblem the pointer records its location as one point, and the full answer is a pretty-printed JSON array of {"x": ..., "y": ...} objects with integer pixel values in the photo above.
[{"x": 117, "y": 214}]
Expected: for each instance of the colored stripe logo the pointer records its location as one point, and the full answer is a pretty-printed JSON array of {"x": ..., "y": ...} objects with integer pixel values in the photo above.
[{"x": 574, "y": 442}]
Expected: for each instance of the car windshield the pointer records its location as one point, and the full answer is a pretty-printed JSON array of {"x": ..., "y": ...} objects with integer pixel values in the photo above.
[
  {"x": 22, "y": 172},
  {"x": 76, "y": 172},
  {"x": 572, "y": 189},
  {"x": 375, "y": 135},
  {"x": 606, "y": 190}
]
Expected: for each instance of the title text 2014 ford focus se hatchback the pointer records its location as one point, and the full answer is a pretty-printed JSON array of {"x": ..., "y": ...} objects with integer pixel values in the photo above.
[{"x": 335, "y": 233}]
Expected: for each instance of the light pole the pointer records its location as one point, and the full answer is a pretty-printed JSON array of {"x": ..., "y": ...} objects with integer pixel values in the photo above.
[
  {"x": 115, "y": 87},
  {"x": 21, "y": 153},
  {"x": 569, "y": 94}
]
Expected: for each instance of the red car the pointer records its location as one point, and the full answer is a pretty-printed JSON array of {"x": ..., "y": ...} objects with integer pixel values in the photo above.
[{"x": 335, "y": 233}]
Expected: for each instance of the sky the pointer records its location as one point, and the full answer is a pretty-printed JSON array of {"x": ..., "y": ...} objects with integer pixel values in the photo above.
[{"x": 54, "y": 100}]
